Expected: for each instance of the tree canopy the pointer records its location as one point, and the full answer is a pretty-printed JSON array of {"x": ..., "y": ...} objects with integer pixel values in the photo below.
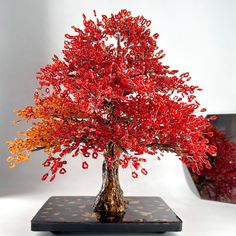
[{"x": 111, "y": 88}]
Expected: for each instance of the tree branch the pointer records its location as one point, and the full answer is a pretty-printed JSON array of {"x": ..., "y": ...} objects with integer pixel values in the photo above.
[
  {"x": 70, "y": 118},
  {"x": 38, "y": 149},
  {"x": 162, "y": 147},
  {"x": 132, "y": 76}
]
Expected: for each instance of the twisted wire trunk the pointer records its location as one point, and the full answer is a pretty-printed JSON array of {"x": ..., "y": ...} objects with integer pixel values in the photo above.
[{"x": 110, "y": 204}]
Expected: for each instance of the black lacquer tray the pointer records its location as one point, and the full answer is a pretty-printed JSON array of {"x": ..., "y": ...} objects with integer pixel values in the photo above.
[{"x": 62, "y": 214}]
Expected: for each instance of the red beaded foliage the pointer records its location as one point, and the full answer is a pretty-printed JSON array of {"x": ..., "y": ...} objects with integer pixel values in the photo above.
[
  {"x": 111, "y": 87},
  {"x": 218, "y": 183}
]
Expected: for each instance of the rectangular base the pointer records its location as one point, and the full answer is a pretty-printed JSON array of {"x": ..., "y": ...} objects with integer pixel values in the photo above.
[{"x": 75, "y": 214}]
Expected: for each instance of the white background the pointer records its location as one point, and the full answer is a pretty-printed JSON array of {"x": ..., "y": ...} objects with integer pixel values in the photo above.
[{"x": 197, "y": 36}]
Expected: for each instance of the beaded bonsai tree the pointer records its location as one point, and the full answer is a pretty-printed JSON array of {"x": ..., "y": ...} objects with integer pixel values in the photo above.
[{"x": 111, "y": 95}]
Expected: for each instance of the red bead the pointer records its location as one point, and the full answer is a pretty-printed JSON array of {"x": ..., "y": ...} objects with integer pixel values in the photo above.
[
  {"x": 86, "y": 154},
  {"x": 85, "y": 165},
  {"x": 46, "y": 163},
  {"x": 44, "y": 177},
  {"x": 95, "y": 155},
  {"x": 62, "y": 171},
  {"x": 213, "y": 118},
  {"x": 134, "y": 175},
  {"x": 136, "y": 165},
  {"x": 53, "y": 177},
  {"x": 142, "y": 159},
  {"x": 144, "y": 171}
]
